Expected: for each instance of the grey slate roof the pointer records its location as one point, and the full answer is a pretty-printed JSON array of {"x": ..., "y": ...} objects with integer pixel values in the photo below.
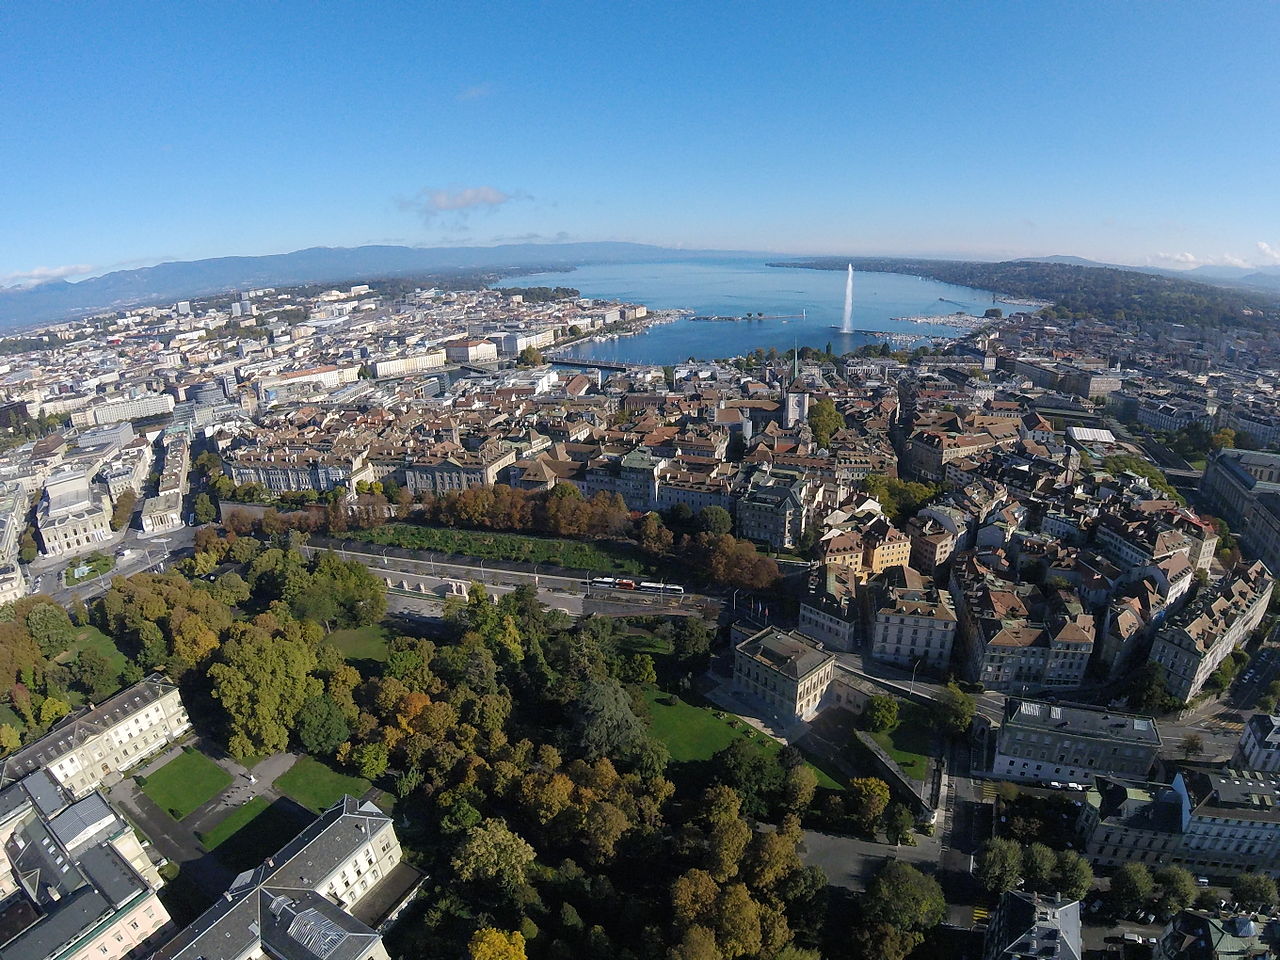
[
  {"x": 82, "y": 726},
  {"x": 276, "y": 903},
  {"x": 1081, "y": 721},
  {"x": 789, "y": 653}
]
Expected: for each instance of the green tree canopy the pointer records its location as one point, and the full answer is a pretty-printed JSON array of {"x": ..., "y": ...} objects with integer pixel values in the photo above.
[
  {"x": 904, "y": 898},
  {"x": 492, "y": 853},
  {"x": 1254, "y": 890},
  {"x": 321, "y": 726},
  {"x": 999, "y": 864},
  {"x": 824, "y": 420},
  {"x": 881, "y": 712},
  {"x": 1131, "y": 887},
  {"x": 955, "y": 709}
]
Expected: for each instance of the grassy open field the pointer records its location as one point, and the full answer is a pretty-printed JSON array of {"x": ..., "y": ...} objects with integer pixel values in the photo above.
[
  {"x": 910, "y": 742},
  {"x": 254, "y": 831},
  {"x": 318, "y": 786},
  {"x": 640, "y": 640},
  {"x": 185, "y": 782},
  {"x": 695, "y": 733},
  {"x": 232, "y": 823},
  {"x": 362, "y": 643},
  {"x": 91, "y": 638},
  {"x": 94, "y": 565},
  {"x": 599, "y": 557}
]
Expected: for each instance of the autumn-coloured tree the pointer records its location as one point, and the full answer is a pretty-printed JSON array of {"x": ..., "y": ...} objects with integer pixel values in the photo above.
[
  {"x": 491, "y": 944},
  {"x": 868, "y": 798}
]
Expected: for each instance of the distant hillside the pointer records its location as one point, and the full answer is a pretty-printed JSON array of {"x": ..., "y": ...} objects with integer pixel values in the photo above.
[
  {"x": 181, "y": 280},
  {"x": 1264, "y": 279},
  {"x": 1100, "y": 291}
]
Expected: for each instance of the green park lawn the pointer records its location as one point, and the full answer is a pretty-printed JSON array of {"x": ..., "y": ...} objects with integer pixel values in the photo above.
[
  {"x": 640, "y": 640},
  {"x": 94, "y": 565},
  {"x": 91, "y": 638},
  {"x": 695, "y": 733},
  {"x": 362, "y": 643},
  {"x": 232, "y": 823},
  {"x": 317, "y": 786},
  {"x": 185, "y": 782},
  {"x": 254, "y": 831},
  {"x": 911, "y": 741}
]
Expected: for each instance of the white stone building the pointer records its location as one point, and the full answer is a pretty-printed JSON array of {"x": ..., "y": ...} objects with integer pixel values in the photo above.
[
  {"x": 94, "y": 746},
  {"x": 320, "y": 896},
  {"x": 786, "y": 671},
  {"x": 72, "y": 517},
  {"x": 75, "y": 882}
]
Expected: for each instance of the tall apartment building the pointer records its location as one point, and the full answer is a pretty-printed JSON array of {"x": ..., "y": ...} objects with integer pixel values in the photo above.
[
  {"x": 407, "y": 366},
  {"x": 1259, "y": 747},
  {"x": 292, "y": 468},
  {"x": 318, "y": 898},
  {"x": 833, "y": 623},
  {"x": 1219, "y": 822},
  {"x": 75, "y": 882},
  {"x": 772, "y": 513},
  {"x": 459, "y": 469},
  {"x": 470, "y": 351},
  {"x": 1042, "y": 742},
  {"x": 13, "y": 518},
  {"x": 914, "y": 623},
  {"x": 1244, "y": 488},
  {"x": 786, "y": 671},
  {"x": 1015, "y": 637},
  {"x": 131, "y": 408},
  {"x": 95, "y": 745},
  {"x": 1193, "y": 644}
]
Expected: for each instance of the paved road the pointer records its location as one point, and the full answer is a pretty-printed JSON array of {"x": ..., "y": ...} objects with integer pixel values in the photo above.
[
  {"x": 145, "y": 553},
  {"x": 851, "y": 862},
  {"x": 1219, "y": 722},
  {"x": 421, "y": 585},
  {"x": 989, "y": 703},
  {"x": 966, "y": 824}
]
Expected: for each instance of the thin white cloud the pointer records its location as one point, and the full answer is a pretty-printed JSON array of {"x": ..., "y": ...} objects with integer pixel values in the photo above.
[
  {"x": 1182, "y": 259},
  {"x": 1272, "y": 254},
  {"x": 478, "y": 92},
  {"x": 456, "y": 204},
  {"x": 38, "y": 275},
  {"x": 1189, "y": 260}
]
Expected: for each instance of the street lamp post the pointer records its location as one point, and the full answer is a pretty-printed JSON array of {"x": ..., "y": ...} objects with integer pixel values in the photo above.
[{"x": 912, "y": 689}]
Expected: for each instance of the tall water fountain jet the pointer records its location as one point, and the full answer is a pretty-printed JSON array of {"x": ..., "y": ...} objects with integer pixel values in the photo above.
[{"x": 846, "y": 325}]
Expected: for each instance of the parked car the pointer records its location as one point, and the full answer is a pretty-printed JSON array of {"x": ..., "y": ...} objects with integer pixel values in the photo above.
[{"x": 1202, "y": 881}]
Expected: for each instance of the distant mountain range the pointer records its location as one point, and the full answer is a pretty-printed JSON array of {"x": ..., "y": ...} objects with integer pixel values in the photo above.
[
  {"x": 1253, "y": 278},
  {"x": 181, "y": 280}
]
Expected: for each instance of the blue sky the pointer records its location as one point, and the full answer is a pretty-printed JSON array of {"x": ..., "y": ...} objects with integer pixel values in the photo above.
[{"x": 1141, "y": 132}]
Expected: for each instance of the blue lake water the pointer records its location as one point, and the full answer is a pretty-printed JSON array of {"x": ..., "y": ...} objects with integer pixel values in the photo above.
[{"x": 734, "y": 287}]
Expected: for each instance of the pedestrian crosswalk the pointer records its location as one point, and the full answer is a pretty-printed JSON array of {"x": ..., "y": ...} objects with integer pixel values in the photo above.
[
  {"x": 988, "y": 791},
  {"x": 1229, "y": 726},
  {"x": 981, "y": 915}
]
